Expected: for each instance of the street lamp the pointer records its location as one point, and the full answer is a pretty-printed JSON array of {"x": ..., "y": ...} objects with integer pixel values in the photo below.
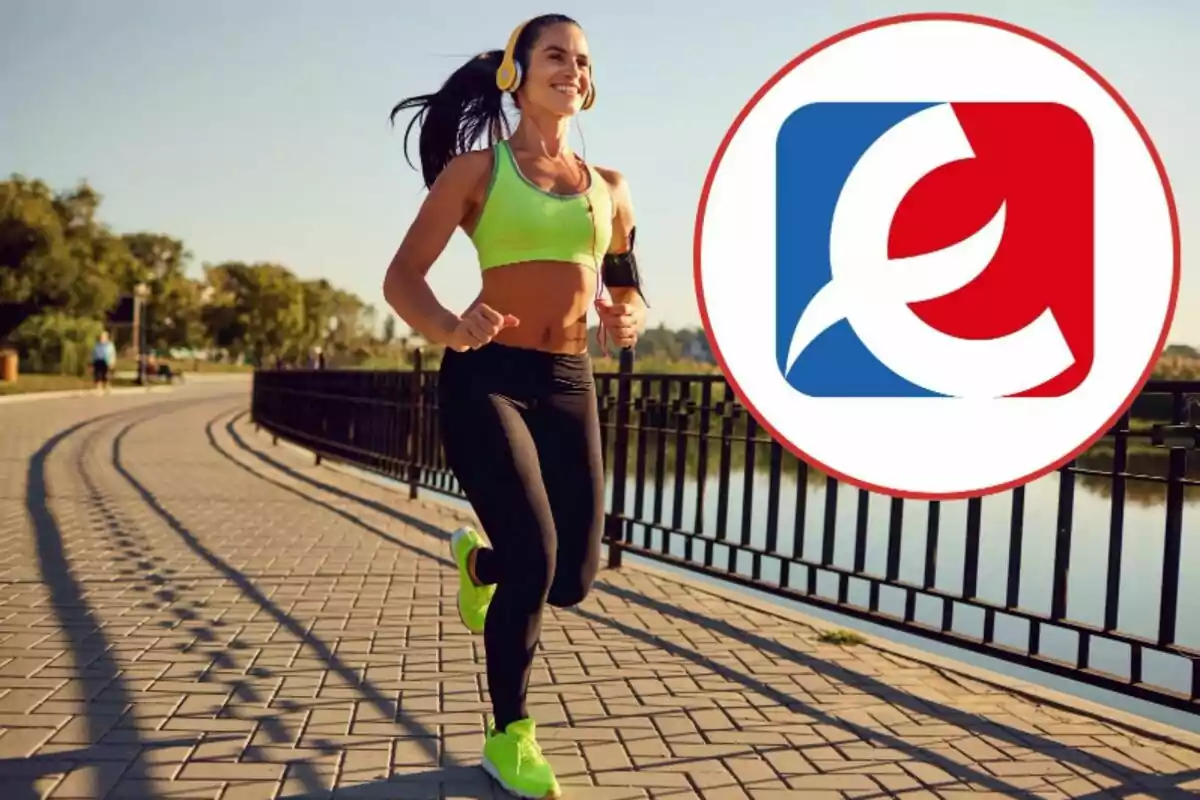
[
  {"x": 332, "y": 326},
  {"x": 140, "y": 293}
]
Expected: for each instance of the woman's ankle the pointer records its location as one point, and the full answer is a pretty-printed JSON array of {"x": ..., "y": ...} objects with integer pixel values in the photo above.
[
  {"x": 502, "y": 727},
  {"x": 471, "y": 567}
]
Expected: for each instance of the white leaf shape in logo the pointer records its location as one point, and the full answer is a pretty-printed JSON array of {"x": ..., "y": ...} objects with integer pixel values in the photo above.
[{"x": 871, "y": 291}]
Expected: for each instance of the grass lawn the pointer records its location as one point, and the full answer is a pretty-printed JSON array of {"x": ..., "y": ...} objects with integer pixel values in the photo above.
[{"x": 52, "y": 383}]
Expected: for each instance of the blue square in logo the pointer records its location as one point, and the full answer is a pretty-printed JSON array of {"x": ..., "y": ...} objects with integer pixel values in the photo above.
[{"x": 816, "y": 149}]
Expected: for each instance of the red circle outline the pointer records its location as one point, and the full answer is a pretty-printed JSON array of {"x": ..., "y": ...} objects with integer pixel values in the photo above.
[{"x": 939, "y": 17}]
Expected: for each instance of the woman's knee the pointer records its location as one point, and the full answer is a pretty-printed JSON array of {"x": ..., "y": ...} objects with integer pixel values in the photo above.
[
  {"x": 572, "y": 588},
  {"x": 568, "y": 595},
  {"x": 578, "y": 563}
]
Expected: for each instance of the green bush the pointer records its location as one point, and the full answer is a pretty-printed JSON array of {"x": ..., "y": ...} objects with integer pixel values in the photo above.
[{"x": 55, "y": 343}]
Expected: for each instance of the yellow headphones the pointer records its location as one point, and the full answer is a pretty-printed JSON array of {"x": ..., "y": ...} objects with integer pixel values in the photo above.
[{"x": 508, "y": 74}]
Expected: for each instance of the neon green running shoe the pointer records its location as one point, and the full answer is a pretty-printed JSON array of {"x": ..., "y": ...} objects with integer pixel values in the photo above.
[
  {"x": 473, "y": 600},
  {"x": 515, "y": 760}
]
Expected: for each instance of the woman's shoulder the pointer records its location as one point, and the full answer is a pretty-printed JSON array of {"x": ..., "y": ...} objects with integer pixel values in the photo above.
[
  {"x": 468, "y": 173},
  {"x": 614, "y": 179},
  {"x": 472, "y": 164},
  {"x": 618, "y": 187}
]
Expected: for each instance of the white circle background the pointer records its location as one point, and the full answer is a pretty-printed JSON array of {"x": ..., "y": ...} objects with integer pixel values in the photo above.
[{"x": 938, "y": 446}]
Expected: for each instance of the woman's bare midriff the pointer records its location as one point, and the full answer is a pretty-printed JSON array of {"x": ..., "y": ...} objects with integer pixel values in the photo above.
[{"x": 550, "y": 298}]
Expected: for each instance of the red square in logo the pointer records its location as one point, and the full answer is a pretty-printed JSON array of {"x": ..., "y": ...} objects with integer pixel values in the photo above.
[{"x": 1037, "y": 158}]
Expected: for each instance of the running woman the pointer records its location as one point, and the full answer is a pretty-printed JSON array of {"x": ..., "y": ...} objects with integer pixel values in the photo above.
[{"x": 518, "y": 406}]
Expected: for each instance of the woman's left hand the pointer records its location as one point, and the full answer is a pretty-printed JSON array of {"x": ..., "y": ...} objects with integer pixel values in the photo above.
[{"x": 621, "y": 321}]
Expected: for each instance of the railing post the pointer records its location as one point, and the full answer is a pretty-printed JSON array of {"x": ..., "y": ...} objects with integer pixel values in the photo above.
[
  {"x": 417, "y": 401},
  {"x": 615, "y": 528},
  {"x": 255, "y": 386}
]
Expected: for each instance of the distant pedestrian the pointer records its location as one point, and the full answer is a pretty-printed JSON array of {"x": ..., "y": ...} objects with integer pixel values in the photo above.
[{"x": 104, "y": 355}]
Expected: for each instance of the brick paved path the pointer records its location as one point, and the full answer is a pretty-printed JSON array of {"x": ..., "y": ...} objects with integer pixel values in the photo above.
[{"x": 189, "y": 611}]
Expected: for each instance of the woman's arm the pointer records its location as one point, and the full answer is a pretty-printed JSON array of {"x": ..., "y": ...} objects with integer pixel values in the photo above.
[
  {"x": 404, "y": 286},
  {"x": 621, "y": 274}
]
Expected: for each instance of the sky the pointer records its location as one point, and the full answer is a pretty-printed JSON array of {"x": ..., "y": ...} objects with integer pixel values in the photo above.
[{"x": 259, "y": 131}]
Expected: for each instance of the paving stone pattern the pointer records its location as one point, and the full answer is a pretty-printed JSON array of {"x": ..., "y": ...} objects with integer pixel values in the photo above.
[{"x": 189, "y": 611}]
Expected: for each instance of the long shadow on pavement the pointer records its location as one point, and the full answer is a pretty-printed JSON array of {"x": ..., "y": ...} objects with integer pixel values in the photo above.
[
  {"x": 978, "y": 725},
  {"x": 426, "y": 737},
  {"x": 419, "y": 524},
  {"x": 90, "y": 649},
  {"x": 424, "y": 527},
  {"x": 465, "y": 781},
  {"x": 458, "y": 782},
  {"x": 241, "y": 689}
]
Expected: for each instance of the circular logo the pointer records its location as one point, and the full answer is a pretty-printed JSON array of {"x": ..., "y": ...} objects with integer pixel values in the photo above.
[{"x": 937, "y": 256}]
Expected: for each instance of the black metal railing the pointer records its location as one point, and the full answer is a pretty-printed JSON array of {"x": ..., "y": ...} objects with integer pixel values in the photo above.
[{"x": 1080, "y": 574}]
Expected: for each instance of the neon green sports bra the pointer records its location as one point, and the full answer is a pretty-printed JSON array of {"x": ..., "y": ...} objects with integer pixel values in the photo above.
[{"x": 521, "y": 222}]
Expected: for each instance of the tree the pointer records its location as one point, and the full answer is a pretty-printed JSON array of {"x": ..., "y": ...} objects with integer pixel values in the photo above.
[
  {"x": 259, "y": 309},
  {"x": 337, "y": 321},
  {"x": 389, "y": 330},
  {"x": 320, "y": 306},
  {"x": 62, "y": 271},
  {"x": 1181, "y": 351},
  {"x": 54, "y": 254},
  {"x": 173, "y": 317}
]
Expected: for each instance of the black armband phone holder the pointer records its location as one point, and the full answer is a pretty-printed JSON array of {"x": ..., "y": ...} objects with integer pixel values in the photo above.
[{"x": 620, "y": 269}]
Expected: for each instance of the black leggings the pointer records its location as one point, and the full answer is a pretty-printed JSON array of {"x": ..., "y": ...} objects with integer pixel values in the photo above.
[{"x": 521, "y": 432}]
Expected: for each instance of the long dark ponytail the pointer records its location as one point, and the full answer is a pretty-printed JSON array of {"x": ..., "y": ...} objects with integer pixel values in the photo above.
[{"x": 468, "y": 106}]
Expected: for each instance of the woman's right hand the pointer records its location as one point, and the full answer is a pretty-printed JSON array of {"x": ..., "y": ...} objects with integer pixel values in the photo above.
[{"x": 478, "y": 327}]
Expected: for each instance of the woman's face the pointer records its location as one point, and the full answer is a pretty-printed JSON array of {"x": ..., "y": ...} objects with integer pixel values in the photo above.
[{"x": 559, "y": 73}]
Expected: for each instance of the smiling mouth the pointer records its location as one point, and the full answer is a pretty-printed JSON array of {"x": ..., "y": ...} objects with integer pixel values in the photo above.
[{"x": 565, "y": 88}]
